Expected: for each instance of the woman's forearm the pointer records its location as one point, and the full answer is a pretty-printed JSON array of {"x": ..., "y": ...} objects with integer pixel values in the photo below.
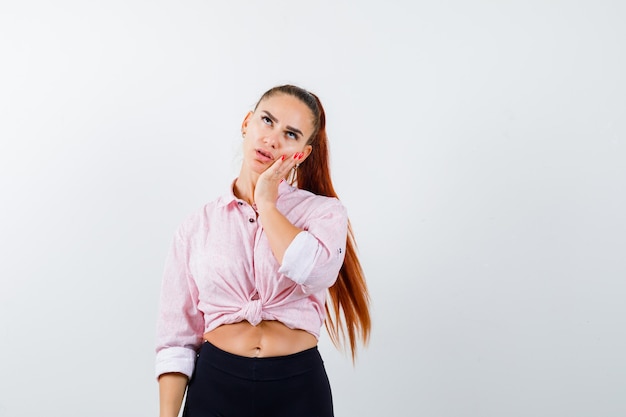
[
  {"x": 278, "y": 229},
  {"x": 171, "y": 393}
]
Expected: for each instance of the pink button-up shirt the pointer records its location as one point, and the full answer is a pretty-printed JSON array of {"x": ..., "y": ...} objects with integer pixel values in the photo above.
[{"x": 221, "y": 270}]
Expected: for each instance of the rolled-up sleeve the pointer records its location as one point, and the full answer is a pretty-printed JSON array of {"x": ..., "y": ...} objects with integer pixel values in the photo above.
[
  {"x": 314, "y": 257},
  {"x": 180, "y": 324}
]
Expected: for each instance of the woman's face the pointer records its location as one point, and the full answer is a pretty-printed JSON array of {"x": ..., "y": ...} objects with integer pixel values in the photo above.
[{"x": 280, "y": 126}]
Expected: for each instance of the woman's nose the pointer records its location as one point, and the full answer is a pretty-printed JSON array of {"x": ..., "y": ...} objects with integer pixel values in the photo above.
[{"x": 272, "y": 140}]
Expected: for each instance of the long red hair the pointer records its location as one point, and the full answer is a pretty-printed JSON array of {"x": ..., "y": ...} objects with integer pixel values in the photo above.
[{"x": 348, "y": 305}]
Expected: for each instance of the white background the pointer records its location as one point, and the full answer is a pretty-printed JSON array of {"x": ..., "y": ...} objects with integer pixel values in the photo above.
[{"x": 480, "y": 148}]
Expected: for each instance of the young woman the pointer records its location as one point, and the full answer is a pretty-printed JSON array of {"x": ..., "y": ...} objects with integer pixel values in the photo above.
[{"x": 245, "y": 287}]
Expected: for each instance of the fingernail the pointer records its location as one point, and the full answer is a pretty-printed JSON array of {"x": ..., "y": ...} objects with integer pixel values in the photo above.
[
  {"x": 295, "y": 155},
  {"x": 301, "y": 155},
  {"x": 282, "y": 158}
]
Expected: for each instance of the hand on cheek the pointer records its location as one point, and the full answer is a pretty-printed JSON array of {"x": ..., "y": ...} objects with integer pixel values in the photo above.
[{"x": 266, "y": 191}]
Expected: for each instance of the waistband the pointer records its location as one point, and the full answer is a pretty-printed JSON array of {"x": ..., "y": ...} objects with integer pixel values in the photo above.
[{"x": 259, "y": 369}]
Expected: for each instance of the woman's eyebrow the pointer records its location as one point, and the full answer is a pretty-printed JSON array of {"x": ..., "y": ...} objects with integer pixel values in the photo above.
[{"x": 275, "y": 120}]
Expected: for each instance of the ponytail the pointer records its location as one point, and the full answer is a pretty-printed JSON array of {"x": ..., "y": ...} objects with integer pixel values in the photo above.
[{"x": 347, "y": 310}]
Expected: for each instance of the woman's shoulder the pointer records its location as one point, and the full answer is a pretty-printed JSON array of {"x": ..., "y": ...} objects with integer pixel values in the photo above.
[
  {"x": 312, "y": 201},
  {"x": 199, "y": 217}
]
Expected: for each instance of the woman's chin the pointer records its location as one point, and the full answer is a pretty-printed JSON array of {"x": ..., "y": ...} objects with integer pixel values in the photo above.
[{"x": 256, "y": 167}]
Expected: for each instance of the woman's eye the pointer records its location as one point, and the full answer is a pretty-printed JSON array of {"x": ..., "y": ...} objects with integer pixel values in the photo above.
[
  {"x": 266, "y": 120},
  {"x": 292, "y": 135}
]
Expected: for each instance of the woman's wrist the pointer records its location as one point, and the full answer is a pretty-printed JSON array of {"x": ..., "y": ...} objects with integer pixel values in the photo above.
[{"x": 264, "y": 206}]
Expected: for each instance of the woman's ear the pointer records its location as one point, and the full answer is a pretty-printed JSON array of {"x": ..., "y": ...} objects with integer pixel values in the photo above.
[
  {"x": 244, "y": 124},
  {"x": 306, "y": 151}
]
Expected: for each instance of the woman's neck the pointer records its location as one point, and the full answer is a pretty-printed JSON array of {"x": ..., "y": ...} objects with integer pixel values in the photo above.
[{"x": 244, "y": 186}]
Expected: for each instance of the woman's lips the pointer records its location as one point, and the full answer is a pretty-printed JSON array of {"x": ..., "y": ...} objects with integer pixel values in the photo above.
[{"x": 264, "y": 156}]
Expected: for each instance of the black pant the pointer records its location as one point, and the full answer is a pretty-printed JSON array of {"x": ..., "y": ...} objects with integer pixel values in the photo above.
[{"x": 228, "y": 385}]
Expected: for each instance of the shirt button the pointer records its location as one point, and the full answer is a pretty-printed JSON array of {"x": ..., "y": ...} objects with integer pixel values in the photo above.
[
  {"x": 240, "y": 203},
  {"x": 251, "y": 220}
]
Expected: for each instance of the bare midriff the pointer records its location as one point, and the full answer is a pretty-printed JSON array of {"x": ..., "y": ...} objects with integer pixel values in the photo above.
[{"x": 267, "y": 339}]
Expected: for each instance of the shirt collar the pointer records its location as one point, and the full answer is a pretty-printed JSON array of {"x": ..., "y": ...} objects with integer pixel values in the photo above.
[{"x": 229, "y": 196}]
